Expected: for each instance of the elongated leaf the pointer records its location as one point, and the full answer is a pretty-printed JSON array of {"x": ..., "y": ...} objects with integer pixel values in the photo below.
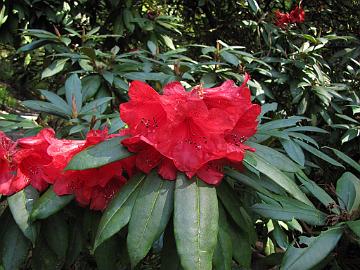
[
  {"x": 43, "y": 106},
  {"x": 150, "y": 215},
  {"x": 99, "y": 155},
  {"x": 254, "y": 6},
  {"x": 42, "y": 256},
  {"x": 241, "y": 247},
  {"x": 346, "y": 159},
  {"x": 117, "y": 214},
  {"x": 56, "y": 232},
  {"x": 275, "y": 158},
  {"x": 108, "y": 254},
  {"x": 33, "y": 45},
  {"x": 230, "y": 58},
  {"x": 316, "y": 250},
  {"x": 348, "y": 191},
  {"x": 354, "y": 226},
  {"x": 318, "y": 153},
  {"x": 48, "y": 204},
  {"x": 169, "y": 256},
  {"x": 76, "y": 244},
  {"x": 73, "y": 92},
  {"x": 287, "y": 209},
  {"x": 223, "y": 251},
  {"x": 57, "y": 101},
  {"x": 93, "y": 105},
  {"x": 278, "y": 177},
  {"x": 195, "y": 223},
  {"x": 318, "y": 192},
  {"x": 54, "y": 68},
  {"x": 21, "y": 205},
  {"x": 294, "y": 151},
  {"x": 236, "y": 211},
  {"x": 14, "y": 247}
]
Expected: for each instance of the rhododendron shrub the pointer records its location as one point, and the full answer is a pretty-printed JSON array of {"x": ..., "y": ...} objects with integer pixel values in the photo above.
[{"x": 196, "y": 132}]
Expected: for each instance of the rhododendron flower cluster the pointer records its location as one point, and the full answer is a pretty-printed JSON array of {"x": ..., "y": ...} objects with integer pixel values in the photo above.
[
  {"x": 297, "y": 15},
  {"x": 40, "y": 160},
  {"x": 195, "y": 132}
]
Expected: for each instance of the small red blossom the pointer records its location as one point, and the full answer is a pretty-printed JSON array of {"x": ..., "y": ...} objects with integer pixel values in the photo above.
[
  {"x": 195, "y": 132},
  {"x": 297, "y": 15}
]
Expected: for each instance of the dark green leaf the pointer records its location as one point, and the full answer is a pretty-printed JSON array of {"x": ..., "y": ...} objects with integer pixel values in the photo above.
[
  {"x": 99, "y": 155},
  {"x": 278, "y": 177},
  {"x": 150, "y": 215},
  {"x": 348, "y": 191},
  {"x": 57, "y": 101},
  {"x": 21, "y": 205},
  {"x": 223, "y": 251},
  {"x": 54, "y": 68},
  {"x": 118, "y": 213},
  {"x": 195, "y": 223},
  {"x": 354, "y": 226},
  {"x": 14, "y": 247},
  {"x": 294, "y": 151},
  {"x": 48, "y": 204},
  {"x": 73, "y": 92},
  {"x": 304, "y": 258},
  {"x": 346, "y": 159}
]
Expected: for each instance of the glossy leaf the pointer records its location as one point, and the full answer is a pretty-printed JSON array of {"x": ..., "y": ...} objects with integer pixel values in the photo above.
[
  {"x": 317, "y": 248},
  {"x": 294, "y": 151},
  {"x": 98, "y": 155},
  {"x": 150, "y": 215},
  {"x": 278, "y": 177},
  {"x": 195, "y": 223},
  {"x": 48, "y": 204},
  {"x": 348, "y": 191},
  {"x": 21, "y": 205},
  {"x": 118, "y": 212},
  {"x": 73, "y": 92},
  {"x": 54, "y": 68}
]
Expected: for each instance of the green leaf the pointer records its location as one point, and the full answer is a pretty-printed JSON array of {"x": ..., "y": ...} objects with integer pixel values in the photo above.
[
  {"x": 92, "y": 107},
  {"x": 76, "y": 244},
  {"x": 278, "y": 177},
  {"x": 348, "y": 191},
  {"x": 56, "y": 232},
  {"x": 118, "y": 212},
  {"x": 48, "y": 204},
  {"x": 21, "y": 205},
  {"x": 33, "y": 45},
  {"x": 287, "y": 209},
  {"x": 168, "y": 42},
  {"x": 54, "y": 68},
  {"x": 42, "y": 256},
  {"x": 232, "y": 204},
  {"x": 223, "y": 251},
  {"x": 127, "y": 17},
  {"x": 44, "y": 107},
  {"x": 275, "y": 158},
  {"x": 354, "y": 226},
  {"x": 230, "y": 58},
  {"x": 108, "y": 253},
  {"x": 57, "y": 101},
  {"x": 99, "y": 155},
  {"x": 169, "y": 256},
  {"x": 195, "y": 223},
  {"x": 242, "y": 250},
  {"x": 254, "y": 6},
  {"x": 318, "y": 192},
  {"x": 346, "y": 159},
  {"x": 294, "y": 151},
  {"x": 73, "y": 92},
  {"x": 90, "y": 86},
  {"x": 318, "y": 153},
  {"x": 152, "y": 47},
  {"x": 150, "y": 215},
  {"x": 14, "y": 247},
  {"x": 316, "y": 250}
]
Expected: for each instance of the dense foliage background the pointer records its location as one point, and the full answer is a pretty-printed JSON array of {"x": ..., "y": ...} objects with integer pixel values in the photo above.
[{"x": 306, "y": 77}]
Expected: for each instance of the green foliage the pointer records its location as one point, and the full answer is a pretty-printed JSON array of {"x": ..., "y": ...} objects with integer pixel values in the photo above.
[{"x": 295, "y": 203}]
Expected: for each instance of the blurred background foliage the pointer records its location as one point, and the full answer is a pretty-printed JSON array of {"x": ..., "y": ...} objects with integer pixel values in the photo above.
[{"x": 50, "y": 50}]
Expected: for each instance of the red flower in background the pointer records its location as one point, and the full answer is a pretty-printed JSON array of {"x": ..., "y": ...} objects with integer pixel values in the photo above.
[
  {"x": 196, "y": 132},
  {"x": 297, "y": 15}
]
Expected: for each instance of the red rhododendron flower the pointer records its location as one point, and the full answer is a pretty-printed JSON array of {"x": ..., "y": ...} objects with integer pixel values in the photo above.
[
  {"x": 297, "y": 15},
  {"x": 195, "y": 132},
  {"x": 92, "y": 186},
  {"x": 12, "y": 179}
]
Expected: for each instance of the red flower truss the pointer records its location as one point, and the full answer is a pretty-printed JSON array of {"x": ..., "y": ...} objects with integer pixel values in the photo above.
[
  {"x": 297, "y": 15},
  {"x": 196, "y": 132},
  {"x": 92, "y": 186}
]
